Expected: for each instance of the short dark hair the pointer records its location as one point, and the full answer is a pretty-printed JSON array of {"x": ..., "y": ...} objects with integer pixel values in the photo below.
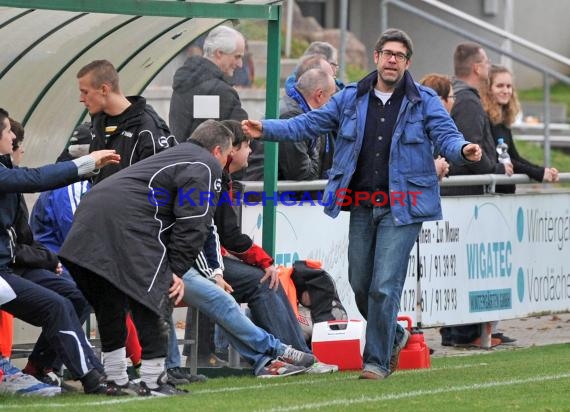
[
  {"x": 235, "y": 128},
  {"x": 3, "y": 115},
  {"x": 463, "y": 58},
  {"x": 102, "y": 71},
  {"x": 212, "y": 133},
  {"x": 395, "y": 35},
  {"x": 18, "y": 131}
]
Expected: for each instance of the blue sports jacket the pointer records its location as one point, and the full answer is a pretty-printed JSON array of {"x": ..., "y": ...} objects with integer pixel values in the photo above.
[{"x": 422, "y": 127}]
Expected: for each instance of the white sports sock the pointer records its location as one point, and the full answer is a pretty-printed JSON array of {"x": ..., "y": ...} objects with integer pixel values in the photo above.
[
  {"x": 115, "y": 364},
  {"x": 151, "y": 370}
]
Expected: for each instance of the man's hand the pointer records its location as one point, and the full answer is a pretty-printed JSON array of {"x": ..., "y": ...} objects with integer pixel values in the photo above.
[
  {"x": 223, "y": 284},
  {"x": 441, "y": 167},
  {"x": 59, "y": 268},
  {"x": 105, "y": 157},
  {"x": 472, "y": 152},
  {"x": 273, "y": 276},
  {"x": 176, "y": 291},
  {"x": 252, "y": 128},
  {"x": 509, "y": 170}
]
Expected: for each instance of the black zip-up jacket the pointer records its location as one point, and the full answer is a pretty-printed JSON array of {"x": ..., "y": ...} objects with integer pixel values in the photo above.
[
  {"x": 473, "y": 123},
  {"x": 140, "y": 132},
  {"x": 137, "y": 241}
]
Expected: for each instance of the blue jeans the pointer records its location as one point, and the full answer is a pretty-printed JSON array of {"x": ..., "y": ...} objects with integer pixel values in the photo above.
[
  {"x": 270, "y": 309},
  {"x": 253, "y": 343},
  {"x": 378, "y": 253},
  {"x": 173, "y": 354}
]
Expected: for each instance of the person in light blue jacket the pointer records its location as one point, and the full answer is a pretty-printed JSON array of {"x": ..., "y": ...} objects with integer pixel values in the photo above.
[{"x": 383, "y": 172}]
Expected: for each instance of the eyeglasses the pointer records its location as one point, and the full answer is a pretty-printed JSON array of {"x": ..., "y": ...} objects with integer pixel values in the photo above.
[
  {"x": 451, "y": 96},
  {"x": 387, "y": 55}
]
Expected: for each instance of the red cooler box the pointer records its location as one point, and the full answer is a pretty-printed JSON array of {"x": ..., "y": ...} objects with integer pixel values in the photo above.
[{"x": 339, "y": 342}]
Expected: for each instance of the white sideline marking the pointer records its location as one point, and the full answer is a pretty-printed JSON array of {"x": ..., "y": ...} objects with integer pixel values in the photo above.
[
  {"x": 413, "y": 394},
  {"x": 278, "y": 382},
  {"x": 340, "y": 377},
  {"x": 74, "y": 405}
]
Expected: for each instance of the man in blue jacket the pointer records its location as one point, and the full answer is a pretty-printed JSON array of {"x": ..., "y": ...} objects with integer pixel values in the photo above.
[{"x": 383, "y": 173}]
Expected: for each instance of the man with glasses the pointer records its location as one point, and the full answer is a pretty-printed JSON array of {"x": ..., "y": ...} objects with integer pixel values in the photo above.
[{"x": 387, "y": 126}]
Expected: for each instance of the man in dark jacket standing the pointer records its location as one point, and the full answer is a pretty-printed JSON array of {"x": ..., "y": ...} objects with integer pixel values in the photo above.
[
  {"x": 134, "y": 235},
  {"x": 207, "y": 76},
  {"x": 471, "y": 66}
]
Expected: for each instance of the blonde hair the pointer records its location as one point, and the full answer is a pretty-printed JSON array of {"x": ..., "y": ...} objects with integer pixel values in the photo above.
[{"x": 499, "y": 113}]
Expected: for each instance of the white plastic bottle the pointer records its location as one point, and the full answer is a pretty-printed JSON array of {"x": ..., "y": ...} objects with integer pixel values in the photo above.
[{"x": 503, "y": 151}]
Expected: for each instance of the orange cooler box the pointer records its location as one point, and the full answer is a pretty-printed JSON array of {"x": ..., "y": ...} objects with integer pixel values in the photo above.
[{"x": 340, "y": 342}]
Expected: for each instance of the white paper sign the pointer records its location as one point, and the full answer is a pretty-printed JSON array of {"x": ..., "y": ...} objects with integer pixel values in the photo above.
[{"x": 206, "y": 107}]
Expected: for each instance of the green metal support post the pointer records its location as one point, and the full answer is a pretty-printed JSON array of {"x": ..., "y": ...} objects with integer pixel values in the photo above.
[{"x": 271, "y": 148}]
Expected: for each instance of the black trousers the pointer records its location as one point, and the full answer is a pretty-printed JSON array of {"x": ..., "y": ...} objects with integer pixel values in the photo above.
[
  {"x": 44, "y": 306},
  {"x": 111, "y": 306}
]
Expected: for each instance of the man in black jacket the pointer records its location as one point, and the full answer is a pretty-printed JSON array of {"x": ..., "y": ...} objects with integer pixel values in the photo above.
[
  {"x": 207, "y": 76},
  {"x": 126, "y": 124},
  {"x": 130, "y": 126},
  {"x": 471, "y": 66},
  {"x": 134, "y": 235}
]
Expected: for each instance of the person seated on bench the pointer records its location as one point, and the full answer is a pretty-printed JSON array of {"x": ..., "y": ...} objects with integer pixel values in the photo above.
[
  {"x": 28, "y": 297},
  {"x": 249, "y": 275}
]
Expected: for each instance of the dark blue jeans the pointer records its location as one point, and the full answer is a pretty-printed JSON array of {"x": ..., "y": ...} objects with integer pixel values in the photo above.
[
  {"x": 378, "y": 253},
  {"x": 41, "y": 302},
  {"x": 270, "y": 310}
]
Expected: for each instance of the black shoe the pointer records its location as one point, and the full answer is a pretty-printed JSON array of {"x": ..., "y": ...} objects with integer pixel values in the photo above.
[
  {"x": 163, "y": 389},
  {"x": 175, "y": 378},
  {"x": 503, "y": 338},
  {"x": 183, "y": 374},
  {"x": 53, "y": 378},
  {"x": 128, "y": 389}
]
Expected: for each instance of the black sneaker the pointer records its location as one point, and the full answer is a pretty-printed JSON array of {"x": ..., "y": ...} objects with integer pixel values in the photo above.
[
  {"x": 94, "y": 383},
  {"x": 163, "y": 389},
  {"x": 183, "y": 374},
  {"x": 50, "y": 377},
  {"x": 175, "y": 378},
  {"x": 128, "y": 389},
  {"x": 54, "y": 378}
]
